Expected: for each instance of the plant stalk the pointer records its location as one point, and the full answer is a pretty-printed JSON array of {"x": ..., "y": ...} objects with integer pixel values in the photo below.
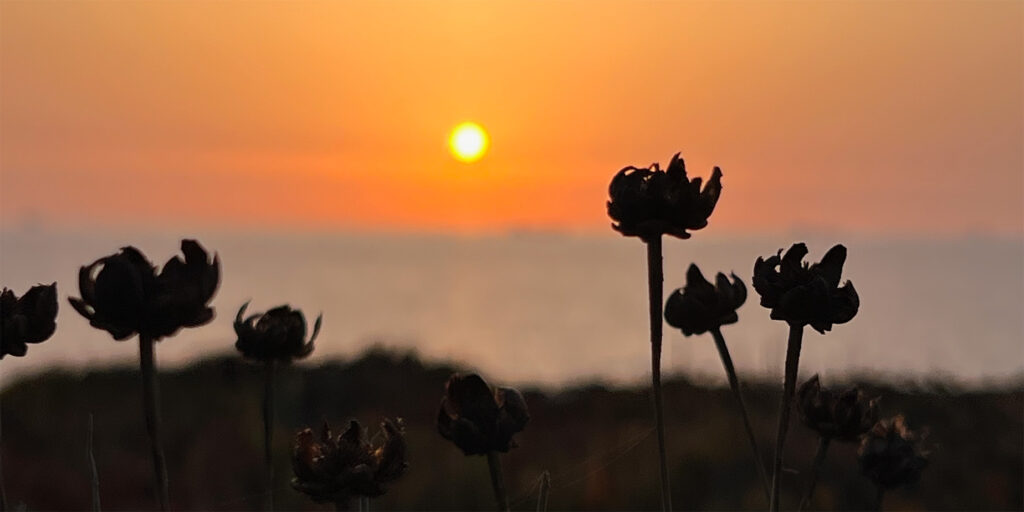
[
  {"x": 268, "y": 431},
  {"x": 878, "y": 497},
  {"x": 94, "y": 475},
  {"x": 498, "y": 481},
  {"x": 819, "y": 459},
  {"x": 734, "y": 383},
  {"x": 655, "y": 280},
  {"x": 151, "y": 408},
  {"x": 545, "y": 490},
  {"x": 3, "y": 493},
  {"x": 796, "y": 333}
]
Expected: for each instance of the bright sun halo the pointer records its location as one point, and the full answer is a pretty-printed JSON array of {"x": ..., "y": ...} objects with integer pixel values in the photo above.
[{"x": 468, "y": 142}]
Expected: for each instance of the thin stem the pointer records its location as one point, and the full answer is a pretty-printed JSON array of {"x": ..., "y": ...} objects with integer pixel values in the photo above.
[
  {"x": 655, "y": 279},
  {"x": 268, "y": 431},
  {"x": 151, "y": 408},
  {"x": 94, "y": 475},
  {"x": 819, "y": 459},
  {"x": 3, "y": 494},
  {"x": 880, "y": 493},
  {"x": 498, "y": 481},
  {"x": 734, "y": 383},
  {"x": 796, "y": 333},
  {"x": 545, "y": 490}
]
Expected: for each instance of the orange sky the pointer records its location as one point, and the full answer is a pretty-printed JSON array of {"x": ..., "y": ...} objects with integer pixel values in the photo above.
[{"x": 882, "y": 117}]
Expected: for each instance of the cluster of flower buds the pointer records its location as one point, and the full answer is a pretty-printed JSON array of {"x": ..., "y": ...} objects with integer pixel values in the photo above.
[
  {"x": 804, "y": 294},
  {"x": 891, "y": 455},
  {"x": 843, "y": 416},
  {"x": 480, "y": 419},
  {"x": 700, "y": 306},
  {"x": 277, "y": 335},
  {"x": 32, "y": 318}
]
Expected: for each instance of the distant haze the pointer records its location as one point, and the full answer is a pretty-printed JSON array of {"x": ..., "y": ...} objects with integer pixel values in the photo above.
[{"x": 873, "y": 117}]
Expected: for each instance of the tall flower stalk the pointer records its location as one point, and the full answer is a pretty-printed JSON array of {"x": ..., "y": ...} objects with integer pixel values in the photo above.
[
  {"x": 274, "y": 338},
  {"x": 702, "y": 307},
  {"x": 648, "y": 203},
  {"x": 124, "y": 295},
  {"x": 801, "y": 294},
  {"x": 481, "y": 420}
]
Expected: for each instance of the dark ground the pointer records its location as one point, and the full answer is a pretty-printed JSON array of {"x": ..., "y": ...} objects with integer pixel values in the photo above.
[{"x": 597, "y": 442}]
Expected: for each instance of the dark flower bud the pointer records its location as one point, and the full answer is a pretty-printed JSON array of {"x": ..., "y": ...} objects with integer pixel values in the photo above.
[
  {"x": 124, "y": 295},
  {"x": 329, "y": 469},
  {"x": 480, "y": 419},
  {"x": 891, "y": 455},
  {"x": 701, "y": 306},
  {"x": 649, "y": 202},
  {"x": 277, "y": 335},
  {"x": 842, "y": 416},
  {"x": 803, "y": 294},
  {"x": 29, "y": 319}
]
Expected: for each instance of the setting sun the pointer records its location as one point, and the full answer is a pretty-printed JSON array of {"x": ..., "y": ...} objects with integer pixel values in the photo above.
[{"x": 468, "y": 142}]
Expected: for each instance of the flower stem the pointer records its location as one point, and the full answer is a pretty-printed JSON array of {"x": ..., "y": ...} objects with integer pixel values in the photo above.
[
  {"x": 151, "y": 408},
  {"x": 94, "y": 475},
  {"x": 3, "y": 494},
  {"x": 545, "y": 490},
  {"x": 268, "y": 431},
  {"x": 880, "y": 493},
  {"x": 819, "y": 458},
  {"x": 796, "y": 333},
  {"x": 734, "y": 383},
  {"x": 497, "y": 481},
  {"x": 655, "y": 279}
]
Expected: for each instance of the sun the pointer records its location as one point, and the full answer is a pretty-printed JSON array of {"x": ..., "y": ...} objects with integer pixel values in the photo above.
[{"x": 468, "y": 142}]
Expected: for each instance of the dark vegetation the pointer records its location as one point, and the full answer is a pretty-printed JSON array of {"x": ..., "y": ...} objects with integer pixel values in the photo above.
[{"x": 598, "y": 442}]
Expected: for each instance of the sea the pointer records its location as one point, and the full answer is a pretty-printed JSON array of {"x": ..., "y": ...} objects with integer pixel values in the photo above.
[{"x": 553, "y": 310}]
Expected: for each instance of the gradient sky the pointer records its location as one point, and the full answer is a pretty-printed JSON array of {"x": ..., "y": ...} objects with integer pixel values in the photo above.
[{"x": 877, "y": 117}]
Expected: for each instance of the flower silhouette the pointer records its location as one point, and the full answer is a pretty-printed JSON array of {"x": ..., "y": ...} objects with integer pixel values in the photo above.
[
  {"x": 479, "y": 419},
  {"x": 891, "y": 455},
  {"x": 277, "y": 335},
  {"x": 29, "y": 319},
  {"x": 841, "y": 416},
  {"x": 126, "y": 296},
  {"x": 335, "y": 469},
  {"x": 803, "y": 294},
  {"x": 649, "y": 202},
  {"x": 701, "y": 306}
]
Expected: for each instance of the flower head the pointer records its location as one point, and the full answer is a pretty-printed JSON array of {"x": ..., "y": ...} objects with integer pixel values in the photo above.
[
  {"x": 891, "y": 455},
  {"x": 803, "y": 294},
  {"x": 701, "y": 306},
  {"x": 650, "y": 202},
  {"x": 480, "y": 419},
  {"x": 124, "y": 295},
  {"x": 277, "y": 335},
  {"x": 335, "y": 469},
  {"x": 842, "y": 416},
  {"x": 29, "y": 319}
]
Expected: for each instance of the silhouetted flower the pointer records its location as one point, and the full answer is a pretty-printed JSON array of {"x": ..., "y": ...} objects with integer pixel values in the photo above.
[
  {"x": 650, "y": 202},
  {"x": 336, "y": 469},
  {"x": 803, "y": 294},
  {"x": 701, "y": 306},
  {"x": 479, "y": 419},
  {"x": 127, "y": 296},
  {"x": 891, "y": 455},
  {"x": 279, "y": 334},
  {"x": 842, "y": 416},
  {"x": 29, "y": 319}
]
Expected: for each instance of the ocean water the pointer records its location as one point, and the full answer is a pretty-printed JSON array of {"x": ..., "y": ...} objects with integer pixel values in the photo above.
[{"x": 555, "y": 309}]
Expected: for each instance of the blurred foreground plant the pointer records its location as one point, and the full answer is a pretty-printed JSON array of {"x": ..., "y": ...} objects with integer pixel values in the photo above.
[
  {"x": 124, "y": 295},
  {"x": 275, "y": 337},
  {"x": 648, "y": 203},
  {"x": 701, "y": 307},
  {"x": 844, "y": 417},
  {"x": 336, "y": 469},
  {"x": 801, "y": 294},
  {"x": 32, "y": 318},
  {"x": 891, "y": 456},
  {"x": 481, "y": 420}
]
